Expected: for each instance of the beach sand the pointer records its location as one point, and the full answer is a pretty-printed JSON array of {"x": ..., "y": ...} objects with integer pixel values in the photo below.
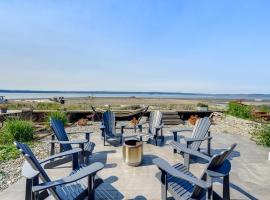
[{"x": 154, "y": 103}]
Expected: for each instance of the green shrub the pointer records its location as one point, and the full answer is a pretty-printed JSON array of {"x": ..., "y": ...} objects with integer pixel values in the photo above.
[
  {"x": 261, "y": 134},
  {"x": 202, "y": 105},
  {"x": 59, "y": 115},
  {"x": 239, "y": 110},
  {"x": 48, "y": 106},
  {"x": 19, "y": 106},
  {"x": 16, "y": 129},
  {"x": 75, "y": 107}
]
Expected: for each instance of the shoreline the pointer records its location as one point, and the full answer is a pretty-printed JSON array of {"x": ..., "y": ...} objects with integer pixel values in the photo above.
[{"x": 138, "y": 100}]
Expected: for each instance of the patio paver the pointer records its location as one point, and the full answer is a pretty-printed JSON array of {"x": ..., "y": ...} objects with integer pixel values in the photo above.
[{"x": 250, "y": 176}]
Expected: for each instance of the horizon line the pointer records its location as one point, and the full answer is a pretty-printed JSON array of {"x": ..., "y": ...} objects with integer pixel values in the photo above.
[{"x": 123, "y": 92}]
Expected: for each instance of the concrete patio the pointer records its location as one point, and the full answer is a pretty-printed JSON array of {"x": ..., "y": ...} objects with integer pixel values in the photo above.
[{"x": 250, "y": 175}]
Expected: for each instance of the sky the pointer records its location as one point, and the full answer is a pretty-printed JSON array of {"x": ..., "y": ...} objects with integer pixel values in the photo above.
[{"x": 136, "y": 45}]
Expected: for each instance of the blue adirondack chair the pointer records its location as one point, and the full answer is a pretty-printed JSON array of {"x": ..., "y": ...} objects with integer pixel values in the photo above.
[
  {"x": 108, "y": 128},
  {"x": 66, "y": 145},
  {"x": 155, "y": 128},
  {"x": 199, "y": 134},
  {"x": 183, "y": 185},
  {"x": 81, "y": 182}
]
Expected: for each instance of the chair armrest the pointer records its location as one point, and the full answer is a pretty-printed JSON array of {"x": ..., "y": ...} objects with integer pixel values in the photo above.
[
  {"x": 65, "y": 153},
  {"x": 75, "y": 132},
  {"x": 102, "y": 127},
  {"x": 178, "y": 130},
  {"x": 159, "y": 127},
  {"x": 194, "y": 153},
  {"x": 141, "y": 124},
  {"x": 166, "y": 167},
  {"x": 82, "y": 173},
  {"x": 196, "y": 139},
  {"x": 121, "y": 125},
  {"x": 74, "y": 142},
  {"x": 51, "y": 141},
  {"x": 28, "y": 171}
]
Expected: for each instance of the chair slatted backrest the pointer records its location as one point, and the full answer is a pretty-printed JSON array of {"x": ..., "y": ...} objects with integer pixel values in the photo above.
[
  {"x": 109, "y": 123},
  {"x": 60, "y": 133},
  {"x": 218, "y": 159},
  {"x": 154, "y": 121},
  {"x": 35, "y": 165},
  {"x": 200, "y": 131},
  {"x": 215, "y": 162}
]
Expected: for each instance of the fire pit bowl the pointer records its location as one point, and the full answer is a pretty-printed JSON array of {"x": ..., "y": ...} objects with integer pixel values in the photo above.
[{"x": 133, "y": 152}]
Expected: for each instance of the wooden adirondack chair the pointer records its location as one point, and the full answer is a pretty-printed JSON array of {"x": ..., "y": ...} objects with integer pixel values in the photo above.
[
  {"x": 81, "y": 182},
  {"x": 199, "y": 134},
  {"x": 108, "y": 128},
  {"x": 183, "y": 185},
  {"x": 66, "y": 145},
  {"x": 155, "y": 126}
]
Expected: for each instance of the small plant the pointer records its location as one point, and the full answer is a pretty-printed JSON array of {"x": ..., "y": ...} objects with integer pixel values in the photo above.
[
  {"x": 261, "y": 134},
  {"x": 16, "y": 129},
  {"x": 202, "y": 105},
  {"x": 8, "y": 152},
  {"x": 240, "y": 110},
  {"x": 59, "y": 115},
  {"x": 264, "y": 108}
]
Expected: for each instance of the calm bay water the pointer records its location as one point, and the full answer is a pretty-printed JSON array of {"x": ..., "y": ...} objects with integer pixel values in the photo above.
[{"x": 31, "y": 95}]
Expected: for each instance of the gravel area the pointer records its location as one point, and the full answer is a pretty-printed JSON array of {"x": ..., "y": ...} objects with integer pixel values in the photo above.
[
  {"x": 228, "y": 124},
  {"x": 10, "y": 171}
]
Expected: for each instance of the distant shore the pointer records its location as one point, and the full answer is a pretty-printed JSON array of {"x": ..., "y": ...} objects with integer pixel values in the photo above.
[
  {"x": 159, "y": 103},
  {"x": 28, "y": 94}
]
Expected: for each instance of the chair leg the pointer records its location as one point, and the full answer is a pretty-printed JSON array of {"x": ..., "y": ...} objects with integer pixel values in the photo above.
[
  {"x": 28, "y": 189},
  {"x": 75, "y": 161},
  {"x": 87, "y": 159},
  {"x": 82, "y": 154},
  {"x": 164, "y": 185},
  {"x": 91, "y": 187},
  {"x": 210, "y": 190},
  {"x": 175, "y": 139},
  {"x": 87, "y": 136},
  {"x": 121, "y": 139},
  {"x": 209, "y": 145},
  {"x": 140, "y": 128},
  {"x": 226, "y": 187},
  {"x": 52, "y": 146},
  {"x": 186, "y": 160},
  {"x": 155, "y": 138}
]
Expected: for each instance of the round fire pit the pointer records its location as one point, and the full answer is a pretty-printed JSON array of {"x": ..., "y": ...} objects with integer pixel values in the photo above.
[{"x": 133, "y": 152}]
